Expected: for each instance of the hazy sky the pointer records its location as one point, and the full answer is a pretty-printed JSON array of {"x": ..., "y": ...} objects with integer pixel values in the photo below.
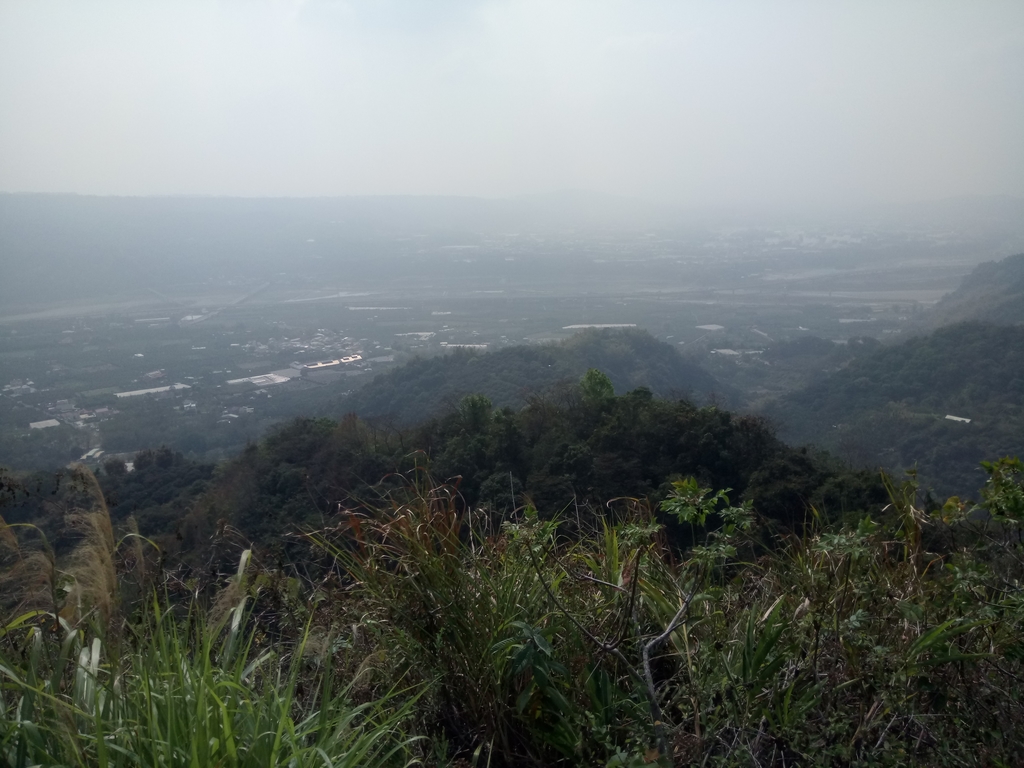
[{"x": 688, "y": 102}]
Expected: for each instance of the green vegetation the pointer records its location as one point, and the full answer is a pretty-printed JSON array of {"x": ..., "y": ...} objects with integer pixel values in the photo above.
[
  {"x": 161, "y": 484},
  {"x": 568, "y": 454},
  {"x": 993, "y": 292},
  {"x": 887, "y": 407},
  {"x": 42, "y": 448},
  {"x": 92, "y": 677},
  {"x": 893, "y": 641},
  {"x": 220, "y": 419},
  {"x": 154, "y": 496},
  {"x": 784, "y": 367},
  {"x": 509, "y": 377},
  {"x": 590, "y": 580}
]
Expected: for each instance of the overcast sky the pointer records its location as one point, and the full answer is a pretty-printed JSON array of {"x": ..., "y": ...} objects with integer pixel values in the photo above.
[{"x": 687, "y": 102}]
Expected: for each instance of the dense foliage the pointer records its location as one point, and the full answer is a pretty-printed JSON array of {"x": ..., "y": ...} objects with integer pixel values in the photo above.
[
  {"x": 887, "y": 407},
  {"x": 41, "y": 448},
  {"x": 510, "y": 376},
  {"x": 891, "y": 641},
  {"x": 567, "y": 454},
  {"x": 154, "y": 495},
  {"x": 160, "y": 485}
]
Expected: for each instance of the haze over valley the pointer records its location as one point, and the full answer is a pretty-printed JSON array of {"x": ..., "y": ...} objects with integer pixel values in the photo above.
[
  {"x": 228, "y": 299},
  {"x": 511, "y": 383}
]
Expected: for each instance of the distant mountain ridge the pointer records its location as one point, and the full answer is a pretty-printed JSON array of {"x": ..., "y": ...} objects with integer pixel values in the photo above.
[
  {"x": 66, "y": 247},
  {"x": 508, "y": 377}
]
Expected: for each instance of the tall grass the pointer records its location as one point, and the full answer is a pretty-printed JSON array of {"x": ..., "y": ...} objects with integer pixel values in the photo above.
[
  {"x": 169, "y": 686},
  {"x": 182, "y": 699},
  {"x": 896, "y": 641},
  {"x": 846, "y": 645}
]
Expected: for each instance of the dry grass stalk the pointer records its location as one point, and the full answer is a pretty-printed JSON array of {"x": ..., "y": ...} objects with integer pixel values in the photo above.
[
  {"x": 91, "y": 565},
  {"x": 231, "y": 596},
  {"x": 27, "y": 578},
  {"x": 134, "y": 557}
]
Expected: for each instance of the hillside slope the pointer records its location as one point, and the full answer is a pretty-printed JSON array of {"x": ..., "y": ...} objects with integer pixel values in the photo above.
[
  {"x": 993, "y": 292},
  {"x": 887, "y": 407},
  {"x": 630, "y": 358}
]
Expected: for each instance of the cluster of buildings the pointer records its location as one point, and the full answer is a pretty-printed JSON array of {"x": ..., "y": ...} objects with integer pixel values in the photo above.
[
  {"x": 323, "y": 343},
  {"x": 152, "y": 390},
  {"x": 18, "y": 387},
  {"x": 66, "y": 412},
  {"x": 235, "y": 412},
  {"x": 298, "y": 370},
  {"x": 325, "y": 364}
]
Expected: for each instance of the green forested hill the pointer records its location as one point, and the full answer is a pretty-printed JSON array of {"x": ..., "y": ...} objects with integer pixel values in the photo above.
[
  {"x": 568, "y": 453},
  {"x": 568, "y": 456},
  {"x": 888, "y": 407},
  {"x": 993, "y": 292},
  {"x": 631, "y": 358}
]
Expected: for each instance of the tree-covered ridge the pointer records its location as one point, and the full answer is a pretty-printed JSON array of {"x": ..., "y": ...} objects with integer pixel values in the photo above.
[
  {"x": 568, "y": 455},
  {"x": 993, "y": 292},
  {"x": 508, "y": 377},
  {"x": 887, "y": 407}
]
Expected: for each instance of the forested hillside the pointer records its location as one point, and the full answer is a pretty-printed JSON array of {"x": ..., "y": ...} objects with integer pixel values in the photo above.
[
  {"x": 567, "y": 456},
  {"x": 993, "y": 292},
  {"x": 508, "y": 377},
  {"x": 888, "y": 407}
]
